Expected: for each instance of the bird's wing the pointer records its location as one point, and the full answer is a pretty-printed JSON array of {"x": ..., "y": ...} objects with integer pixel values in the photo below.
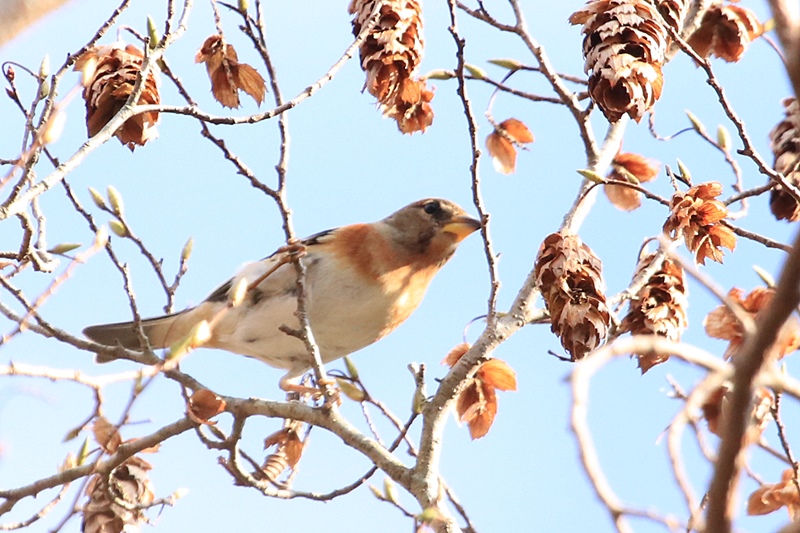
[
  {"x": 281, "y": 281},
  {"x": 163, "y": 331}
]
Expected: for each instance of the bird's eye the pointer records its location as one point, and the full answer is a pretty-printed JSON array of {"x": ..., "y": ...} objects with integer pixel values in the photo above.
[{"x": 432, "y": 207}]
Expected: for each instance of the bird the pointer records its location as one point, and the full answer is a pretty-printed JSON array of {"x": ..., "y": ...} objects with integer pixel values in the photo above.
[{"x": 362, "y": 282}]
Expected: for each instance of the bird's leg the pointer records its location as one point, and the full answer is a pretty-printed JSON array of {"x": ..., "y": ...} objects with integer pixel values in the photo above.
[
  {"x": 288, "y": 385},
  {"x": 301, "y": 390},
  {"x": 292, "y": 252}
]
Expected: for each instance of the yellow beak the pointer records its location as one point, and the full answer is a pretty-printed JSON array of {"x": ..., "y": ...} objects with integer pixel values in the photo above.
[{"x": 462, "y": 227}]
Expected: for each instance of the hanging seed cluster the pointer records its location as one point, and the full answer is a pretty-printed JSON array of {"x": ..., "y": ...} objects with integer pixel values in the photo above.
[{"x": 569, "y": 275}]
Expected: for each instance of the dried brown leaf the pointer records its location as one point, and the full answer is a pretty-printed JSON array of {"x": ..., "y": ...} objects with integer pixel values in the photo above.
[
  {"x": 502, "y": 143},
  {"x": 621, "y": 196},
  {"x": 717, "y": 412},
  {"x": 204, "y": 405},
  {"x": 712, "y": 409},
  {"x": 721, "y": 323},
  {"x": 454, "y": 355},
  {"x": 289, "y": 450},
  {"x": 224, "y": 89},
  {"x": 771, "y": 497},
  {"x": 503, "y": 153},
  {"x": 476, "y": 404},
  {"x": 106, "y": 435},
  {"x": 250, "y": 81},
  {"x": 227, "y": 75},
  {"x": 477, "y": 407},
  {"x": 725, "y": 32},
  {"x": 674, "y": 12},
  {"x": 497, "y": 374},
  {"x": 516, "y": 130},
  {"x": 641, "y": 168}
]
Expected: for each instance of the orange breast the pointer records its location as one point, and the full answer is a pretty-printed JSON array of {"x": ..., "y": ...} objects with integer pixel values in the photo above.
[{"x": 403, "y": 277}]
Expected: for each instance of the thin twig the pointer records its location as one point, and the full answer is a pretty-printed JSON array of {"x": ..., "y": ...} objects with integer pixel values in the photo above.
[{"x": 477, "y": 197}]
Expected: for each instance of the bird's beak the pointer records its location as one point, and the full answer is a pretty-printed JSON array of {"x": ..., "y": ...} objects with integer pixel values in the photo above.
[{"x": 462, "y": 227}]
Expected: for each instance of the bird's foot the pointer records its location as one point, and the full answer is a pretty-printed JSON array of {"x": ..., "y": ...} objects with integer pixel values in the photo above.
[{"x": 327, "y": 391}]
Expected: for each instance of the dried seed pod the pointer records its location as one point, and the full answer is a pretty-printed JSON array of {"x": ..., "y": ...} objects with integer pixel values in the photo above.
[
  {"x": 624, "y": 47},
  {"x": 696, "y": 215},
  {"x": 289, "y": 449},
  {"x": 785, "y": 144},
  {"x": 674, "y": 12},
  {"x": 129, "y": 483},
  {"x": 109, "y": 74},
  {"x": 569, "y": 275},
  {"x": 390, "y": 56},
  {"x": 659, "y": 307},
  {"x": 725, "y": 32}
]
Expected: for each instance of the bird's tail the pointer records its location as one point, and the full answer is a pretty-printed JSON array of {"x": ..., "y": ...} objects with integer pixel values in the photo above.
[{"x": 161, "y": 332}]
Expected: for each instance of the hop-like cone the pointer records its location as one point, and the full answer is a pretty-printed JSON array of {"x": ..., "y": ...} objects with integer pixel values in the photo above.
[
  {"x": 785, "y": 144},
  {"x": 659, "y": 308},
  {"x": 390, "y": 56},
  {"x": 569, "y": 275},
  {"x": 674, "y": 13},
  {"x": 725, "y": 32},
  {"x": 289, "y": 449},
  {"x": 109, "y": 74},
  {"x": 624, "y": 47},
  {"x": 129, "y": 483},
  {"x": 696, "y": 215}
]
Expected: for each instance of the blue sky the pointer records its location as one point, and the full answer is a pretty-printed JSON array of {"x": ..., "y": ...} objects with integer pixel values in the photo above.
[{"x": 348, "y": 165}]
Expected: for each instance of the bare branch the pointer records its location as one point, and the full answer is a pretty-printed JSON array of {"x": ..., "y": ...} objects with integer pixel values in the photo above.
[{"x": 749, "y": 363}]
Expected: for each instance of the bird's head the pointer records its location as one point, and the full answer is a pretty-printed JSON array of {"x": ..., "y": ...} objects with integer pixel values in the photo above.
[{"x": 432, "y": 227}]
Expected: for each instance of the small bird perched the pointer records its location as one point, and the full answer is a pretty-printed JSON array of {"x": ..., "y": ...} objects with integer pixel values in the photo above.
[{"x": 362, "y": 280}]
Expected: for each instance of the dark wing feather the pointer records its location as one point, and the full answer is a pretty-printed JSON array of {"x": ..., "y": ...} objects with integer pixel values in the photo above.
[
  {"x": 317, "y": 238},
  {"x": 220, "y": 294}
]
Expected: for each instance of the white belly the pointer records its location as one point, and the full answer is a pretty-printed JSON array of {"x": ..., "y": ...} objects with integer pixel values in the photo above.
[{"x": 345, "y": 316}]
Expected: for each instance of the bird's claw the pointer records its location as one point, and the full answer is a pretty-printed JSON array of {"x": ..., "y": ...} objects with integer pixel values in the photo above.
[
  {"x": 294, "y": 249},
  {"x": 327, "y": 390}
]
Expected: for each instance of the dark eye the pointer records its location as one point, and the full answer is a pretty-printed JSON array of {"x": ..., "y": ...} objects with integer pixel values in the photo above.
[{"x": 433, "y": 207}]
